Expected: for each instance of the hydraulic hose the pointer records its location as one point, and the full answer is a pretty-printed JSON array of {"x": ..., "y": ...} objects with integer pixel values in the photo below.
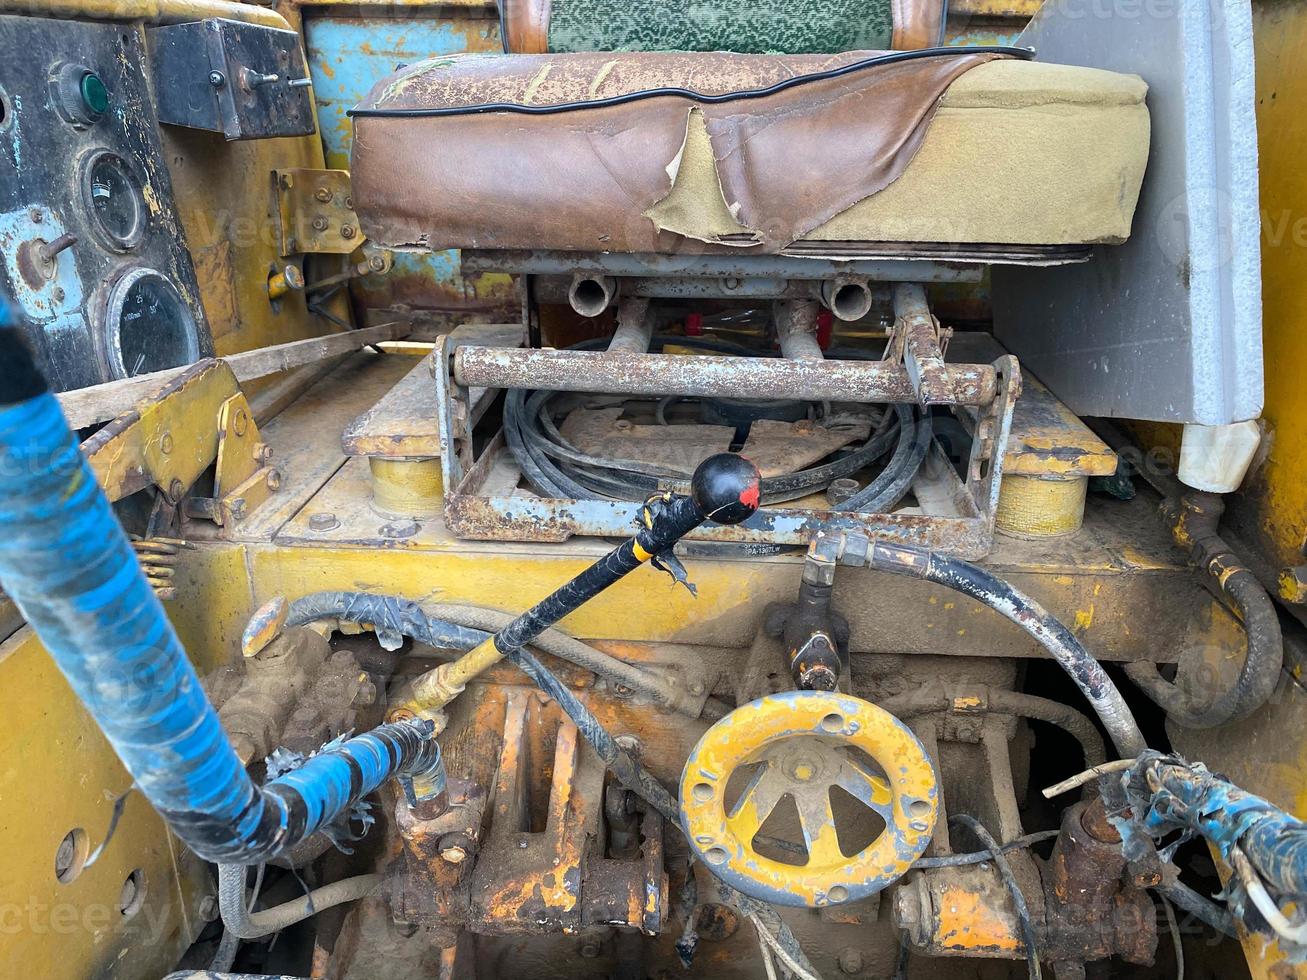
[
  {"x": 1015, "y": 606},
  {"x": 933, "y": 697},
  {"x": 245, "y": 924},
  {"x": 457, "y": 627},
  {"x": 1196, "y": 522},
  {"x": 68, "y": 566}
]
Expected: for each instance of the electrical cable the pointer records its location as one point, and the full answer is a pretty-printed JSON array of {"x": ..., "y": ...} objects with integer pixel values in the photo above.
[
  {"x": 1013, "y": 887},
  {"x": 1175, "y": 936},
  {"x": 254, "y": 925},
  {"x": 556, "y": 468},
  {"x": 779, "y": 950},
  {"x": 980, "y": 857},
  {"x": 888, "y": 58}
]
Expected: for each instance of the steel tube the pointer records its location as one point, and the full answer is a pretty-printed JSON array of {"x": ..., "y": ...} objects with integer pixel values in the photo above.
[
  {"x": 721, "y": 377},
  {"x": 634, "y": 327},
  {"x": 796, "y": 330}
]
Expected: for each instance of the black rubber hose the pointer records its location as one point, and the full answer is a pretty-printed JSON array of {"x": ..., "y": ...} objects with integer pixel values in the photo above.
[
  {"x": 1204, "y": 909},
  {"x": 1019, "y": 608},
  {"x": 1197, "y": 520},
  {"x": 556, "y": 468}
]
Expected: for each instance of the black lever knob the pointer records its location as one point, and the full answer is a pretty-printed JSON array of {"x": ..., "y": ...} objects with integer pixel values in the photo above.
[{"x": 726, "y": 488}]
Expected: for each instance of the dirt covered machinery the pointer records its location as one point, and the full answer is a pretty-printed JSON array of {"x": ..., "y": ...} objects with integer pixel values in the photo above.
[{"x": 667, "y": 498}]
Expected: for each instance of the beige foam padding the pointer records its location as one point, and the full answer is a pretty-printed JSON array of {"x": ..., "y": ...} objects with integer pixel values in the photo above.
[{"x": 1018, "y": 153}]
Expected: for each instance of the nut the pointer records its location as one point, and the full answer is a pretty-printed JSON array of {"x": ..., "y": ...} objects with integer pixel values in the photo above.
[
  {"x": 348, "y": 231},
  {"x": 274, "y": 479},
  {"x": 323, "y": 194},
  {"x": 323, "y": 521}
]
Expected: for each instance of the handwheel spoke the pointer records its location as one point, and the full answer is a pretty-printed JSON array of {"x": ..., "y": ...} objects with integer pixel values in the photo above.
[
  {"x": 757, "y": 802},
  {"x": 818, "y": 823},
  {"x": 867, "y": 788}
]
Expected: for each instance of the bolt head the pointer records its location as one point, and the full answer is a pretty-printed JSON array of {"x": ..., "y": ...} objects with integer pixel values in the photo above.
[
  {"x": 322, "y": 194},
  {"x": 217, "y": 79},
  {"x": 323, "y": 521},
  {"x": 274, "y": 479},
  {"x": 348, "y": 231}
]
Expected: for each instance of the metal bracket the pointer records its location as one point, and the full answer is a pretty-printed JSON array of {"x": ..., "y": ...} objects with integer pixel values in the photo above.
[
  {"x": 315, "y": 212},
  {"x": 242, "y": 478}
]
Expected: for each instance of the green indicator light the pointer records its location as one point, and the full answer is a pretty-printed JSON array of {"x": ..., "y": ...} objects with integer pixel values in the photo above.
[{"x": 94, "y": 94}]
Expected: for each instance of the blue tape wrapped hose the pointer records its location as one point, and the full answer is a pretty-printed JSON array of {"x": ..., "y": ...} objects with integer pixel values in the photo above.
[{"x": 68, "y": 566}]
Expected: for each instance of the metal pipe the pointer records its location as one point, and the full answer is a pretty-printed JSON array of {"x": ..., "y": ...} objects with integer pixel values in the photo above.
[
  {"x": 634, "y": 327},
  {"x": 68, "y": 566},
  {"x": 721, "y": 377},
  {"x": 148, "y": 11},
  {"x": 848, "y": 297},
  {"x": 591, "y": 295},
  {"x": 796, "y": 330}
]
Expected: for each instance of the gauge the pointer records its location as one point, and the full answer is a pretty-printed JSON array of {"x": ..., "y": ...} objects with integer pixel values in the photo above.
[
  {"x": 113, "y": 195},
  {"x": 148, "y": 326}
]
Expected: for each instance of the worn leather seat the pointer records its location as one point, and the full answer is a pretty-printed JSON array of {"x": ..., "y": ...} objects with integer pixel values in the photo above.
[{"x": 961, "y": 149}]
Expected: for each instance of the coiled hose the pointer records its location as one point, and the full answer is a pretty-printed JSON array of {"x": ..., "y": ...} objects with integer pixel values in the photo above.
[
  {"x": 556, "y": 468},
  {"x": 1196, "y": 522},
  {"x": 1019, "y": 608}
]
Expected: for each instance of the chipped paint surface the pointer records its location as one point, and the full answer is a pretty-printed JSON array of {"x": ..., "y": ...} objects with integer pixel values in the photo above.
[
  {"x": 796, "y": 740},
  {"x": 347, "y": 56}
]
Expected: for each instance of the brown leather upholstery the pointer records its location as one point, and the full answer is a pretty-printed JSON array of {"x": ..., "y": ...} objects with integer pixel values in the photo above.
[{"x": 585, "y": 179}]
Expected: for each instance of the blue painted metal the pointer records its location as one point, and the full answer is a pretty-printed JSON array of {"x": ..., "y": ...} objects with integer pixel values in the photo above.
[
  {"x": 67, "y": 564},
  {"x": 347, "y": 56}
]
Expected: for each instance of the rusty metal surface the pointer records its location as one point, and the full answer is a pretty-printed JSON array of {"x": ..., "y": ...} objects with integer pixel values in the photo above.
[
  {"x": 709, "y": 375},
  {"x": 680, "y": 264}
]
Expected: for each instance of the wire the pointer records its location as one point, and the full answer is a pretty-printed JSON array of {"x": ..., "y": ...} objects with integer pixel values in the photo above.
[
  {"x": 1013, "y": 887},
  {"x": 779, "y": 951},
  {"x": 979, "y": 857},
  {"x": 556, "y": 468},
  {"x": 888, "y": 58},
  {"x": 1088, "y": 776},
  {"x": 1175, "y": 937}
]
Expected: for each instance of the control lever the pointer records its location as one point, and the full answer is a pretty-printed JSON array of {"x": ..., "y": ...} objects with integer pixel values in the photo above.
[{"x": 725, "y": 489}]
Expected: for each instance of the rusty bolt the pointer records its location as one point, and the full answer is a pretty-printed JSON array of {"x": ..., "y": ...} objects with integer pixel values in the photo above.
[
  {"x": 37, "y": 215},
  {"x": 1293, "y": 584},
  {"x": 348, "y": 231},
  {"x": 274, "y": 480},
  {"x": 262, "y": 452},
  {"x": 319, "y": 223},
  {"x": 175, "y": 491},
  {"x": 377, "y": 264},
  {"x": 165, "y": 443},
  {"x": 589, "y": 949},
  {"x": 454, "y": 848},
  {"x": 850, "y": 960},
  {"x": 323, "y": 194},
  {"x": 349, "y": 203},
  {"x": 323, "y": 521}
]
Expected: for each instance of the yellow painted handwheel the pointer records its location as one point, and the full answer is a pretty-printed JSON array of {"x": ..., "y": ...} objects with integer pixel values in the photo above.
[{"x": 809, "y": 798}]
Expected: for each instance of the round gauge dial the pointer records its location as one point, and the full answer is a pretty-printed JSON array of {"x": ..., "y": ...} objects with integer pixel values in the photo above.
[
  {"x": 148, "y": 326},
  {"x": 113, "y": 196}
]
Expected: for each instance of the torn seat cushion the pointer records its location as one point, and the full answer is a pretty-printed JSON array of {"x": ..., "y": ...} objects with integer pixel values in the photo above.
[{"x": 965, "y": 148}]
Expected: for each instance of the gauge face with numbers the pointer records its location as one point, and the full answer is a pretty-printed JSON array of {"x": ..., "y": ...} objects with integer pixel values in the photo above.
[
  {"x": 148, "y": 325},
  {"x": 112, "y": 194}
]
